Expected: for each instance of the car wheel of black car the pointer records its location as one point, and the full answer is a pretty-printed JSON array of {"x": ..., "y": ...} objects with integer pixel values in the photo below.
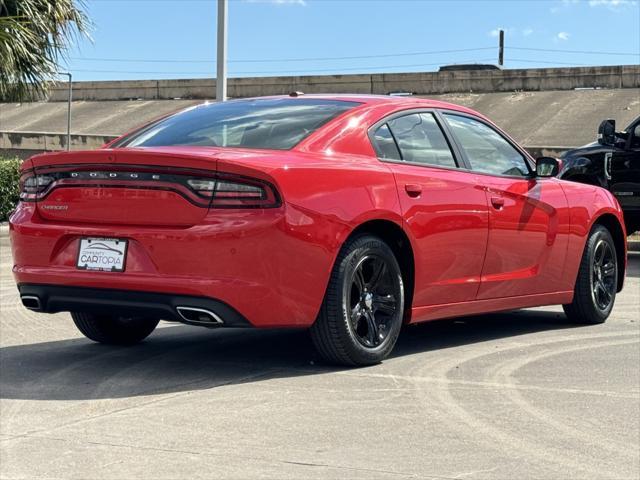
[
  {"x": 363, "y": 308},
  {"x": 113, "y": 329},
  {"x": 632, "y": 225},
  {"x": 597, "y": 282}
]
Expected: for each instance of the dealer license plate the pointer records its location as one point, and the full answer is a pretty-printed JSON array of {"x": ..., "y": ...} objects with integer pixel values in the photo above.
[{"x": 104, "y": 254}]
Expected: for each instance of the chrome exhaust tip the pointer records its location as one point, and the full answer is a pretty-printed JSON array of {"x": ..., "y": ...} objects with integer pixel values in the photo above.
[
  {"x": 31, "y": 302},
  {"x": 199, "y": 316}
]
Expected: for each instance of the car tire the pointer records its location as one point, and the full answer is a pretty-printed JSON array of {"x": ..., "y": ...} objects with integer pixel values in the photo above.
[
  {"x": 114, "y": 330},
  {"x": 632, "y": 225},
  {"x": 597, "y": 282},
  {"x": 361, "y": 316}
]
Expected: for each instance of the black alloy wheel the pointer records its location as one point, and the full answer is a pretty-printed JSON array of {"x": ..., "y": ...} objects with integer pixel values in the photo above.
[
  {"x": 363, "y": 308},
  {"x": 597, "y": 282},
  {"x": 371, "y": 300},
  {"x": 603, "y": 275}
]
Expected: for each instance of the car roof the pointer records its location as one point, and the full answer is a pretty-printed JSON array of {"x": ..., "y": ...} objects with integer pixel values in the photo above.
[{"x": 399, "y": 102}]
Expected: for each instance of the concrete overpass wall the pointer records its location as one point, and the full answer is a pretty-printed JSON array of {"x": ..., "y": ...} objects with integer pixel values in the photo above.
[
  {"x": 546, "y": 110},
  {"x": 23, "y": 144},
  {"x": 30, "y": 143},
  {"x": 427, "y": 83},
  {"x": 543, "y": 119}
]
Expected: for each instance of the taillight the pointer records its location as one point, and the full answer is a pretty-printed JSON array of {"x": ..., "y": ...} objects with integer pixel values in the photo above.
[
  {"x": 32, "y": 186},
  {"x": 202, "y": 186},
  {"x": 206, "y": 189},
  {"x": 227, "y": 191}
]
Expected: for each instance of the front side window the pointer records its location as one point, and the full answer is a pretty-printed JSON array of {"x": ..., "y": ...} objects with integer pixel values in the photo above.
[
  {"x": 634, "y": 131},
  {"x": 486, "y": 150},
  {"x": 421, "y": 140},
  {"x": 278, "y": 124}
]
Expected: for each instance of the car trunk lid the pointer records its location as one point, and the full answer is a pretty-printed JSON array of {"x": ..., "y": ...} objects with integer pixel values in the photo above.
[{"x": 125, "y": 187}]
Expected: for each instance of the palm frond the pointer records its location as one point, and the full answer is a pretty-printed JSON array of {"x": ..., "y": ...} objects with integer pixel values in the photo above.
[{"x": 35, "y": 36}]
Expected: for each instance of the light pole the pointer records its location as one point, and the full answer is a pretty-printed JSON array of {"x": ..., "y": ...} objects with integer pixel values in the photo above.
[
  {"x": 68, "y": 109},
  {"x": 221, "y": 62}
]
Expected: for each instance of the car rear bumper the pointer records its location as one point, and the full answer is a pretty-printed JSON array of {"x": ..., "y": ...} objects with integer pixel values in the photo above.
[
  {"x": 271, "y": 272},
  {"x": 181, "y": 308}
]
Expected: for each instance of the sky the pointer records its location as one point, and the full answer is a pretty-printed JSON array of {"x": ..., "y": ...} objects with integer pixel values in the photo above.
[{"x": 156, "y": 39}]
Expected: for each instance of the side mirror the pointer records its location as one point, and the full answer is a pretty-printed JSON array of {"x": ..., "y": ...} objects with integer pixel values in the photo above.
[
  {"x": 547, "y": 167},
  {"x": 607, "y": 132}
]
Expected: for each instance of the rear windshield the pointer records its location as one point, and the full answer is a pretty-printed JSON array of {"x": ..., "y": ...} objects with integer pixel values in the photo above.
[{"x": 277, "y": 124}]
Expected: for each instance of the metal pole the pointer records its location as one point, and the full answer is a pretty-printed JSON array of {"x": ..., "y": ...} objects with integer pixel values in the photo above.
[
  {"x": 501, "y": 50},
  {"x": 221, "y": 62},
  {"x": 68, "y": 108}
]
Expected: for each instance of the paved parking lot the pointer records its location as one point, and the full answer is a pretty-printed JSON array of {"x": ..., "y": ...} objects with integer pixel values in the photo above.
[{"x": 512, "y": 395}]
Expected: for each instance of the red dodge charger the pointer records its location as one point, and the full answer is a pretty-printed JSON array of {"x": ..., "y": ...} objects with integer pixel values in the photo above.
[{"x": 351, "y": 215}]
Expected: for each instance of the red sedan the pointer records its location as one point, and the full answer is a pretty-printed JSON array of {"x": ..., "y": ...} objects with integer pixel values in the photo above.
[{"x": 350, "y": 215}]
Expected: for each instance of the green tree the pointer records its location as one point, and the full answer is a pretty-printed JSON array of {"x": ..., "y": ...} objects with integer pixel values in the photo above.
[{"x": 34, "y": 37}]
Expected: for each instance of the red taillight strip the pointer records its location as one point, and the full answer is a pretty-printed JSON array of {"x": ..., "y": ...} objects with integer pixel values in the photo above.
[{"x": 250, "y": 192}]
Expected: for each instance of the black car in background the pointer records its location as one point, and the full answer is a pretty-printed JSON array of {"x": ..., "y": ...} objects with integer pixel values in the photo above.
[{"x": 613, "y": 162}]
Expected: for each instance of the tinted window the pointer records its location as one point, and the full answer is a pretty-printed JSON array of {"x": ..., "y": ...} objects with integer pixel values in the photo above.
[
  {"x": 420, "y": 140},
  {"x": 385, "y": 144},
  {"x": 635, "y": 136},
  {"x": 486, "y": 149},
  {"x": 272, "y": 123}
]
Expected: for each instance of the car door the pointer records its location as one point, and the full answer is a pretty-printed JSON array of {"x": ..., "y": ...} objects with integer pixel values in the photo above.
[
  {"x": 528, "y": 216},
  {"x": 444, "y": 211},
  {"x": 622, "y": 171}
]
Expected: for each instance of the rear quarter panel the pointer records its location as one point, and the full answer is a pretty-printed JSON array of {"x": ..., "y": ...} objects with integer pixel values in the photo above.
[
  {"x": 587, "y": 204},
  {"x": 324, "y": 199}
]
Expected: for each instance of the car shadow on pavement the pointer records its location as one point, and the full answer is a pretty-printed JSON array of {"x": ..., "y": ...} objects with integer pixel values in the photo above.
[{"x": 182, "y": 358}]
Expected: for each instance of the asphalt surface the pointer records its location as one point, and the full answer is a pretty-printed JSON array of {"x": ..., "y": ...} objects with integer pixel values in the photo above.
[{"x": 513, "y": 395}]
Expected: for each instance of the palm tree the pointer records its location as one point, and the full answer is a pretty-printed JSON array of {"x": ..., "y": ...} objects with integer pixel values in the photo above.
[{"x": 34, "y": 38}]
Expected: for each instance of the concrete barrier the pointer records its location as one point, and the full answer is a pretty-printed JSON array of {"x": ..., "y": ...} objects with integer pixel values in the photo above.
[
  {"x": 425, "y": 83},
  {"x": 537, "y": 152},
  {"x": 23, "y": 144},
  {"x": 26, "y": 144}
]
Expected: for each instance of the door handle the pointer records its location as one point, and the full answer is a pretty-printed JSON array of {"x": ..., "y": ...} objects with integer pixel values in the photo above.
[
  {"x": 413, "y": 190},
  {"x": 607, "y": 165},
  {"x": 497, "y": 202}
]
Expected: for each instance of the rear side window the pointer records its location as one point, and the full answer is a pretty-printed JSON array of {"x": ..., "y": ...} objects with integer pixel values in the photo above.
[
  {"x": 486, "y": 150},
  {"x": 421, "y": 140},
  {"x": 385, "y": 144},
  {"x": 278, "y": 124}
]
